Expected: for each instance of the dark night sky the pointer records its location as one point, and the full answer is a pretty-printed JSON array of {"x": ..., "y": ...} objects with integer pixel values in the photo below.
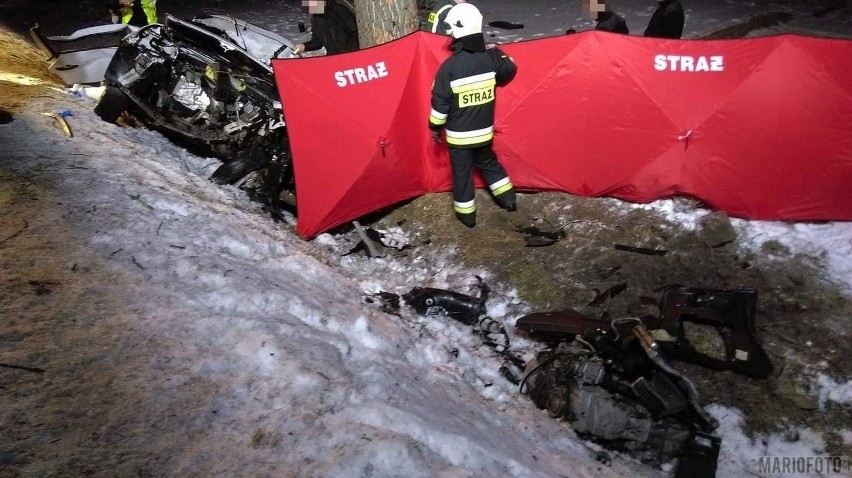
[
  {"x": 62, "y": 17},
  {"x": 57, "y": 17}
]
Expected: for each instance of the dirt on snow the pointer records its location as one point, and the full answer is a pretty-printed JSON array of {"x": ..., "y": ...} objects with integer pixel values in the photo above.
[{"x": 802, "y": 319}]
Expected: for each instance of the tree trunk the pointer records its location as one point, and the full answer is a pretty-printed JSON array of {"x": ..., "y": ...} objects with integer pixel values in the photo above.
[{"x": 380, "y": 21}]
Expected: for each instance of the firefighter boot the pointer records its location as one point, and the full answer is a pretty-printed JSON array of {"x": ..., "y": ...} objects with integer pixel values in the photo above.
[
  {"x": 507, "y": 200},
  {"x": 468, "y": 219}
]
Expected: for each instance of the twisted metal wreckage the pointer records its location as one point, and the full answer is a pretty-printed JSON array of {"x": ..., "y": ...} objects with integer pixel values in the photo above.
[
  {"x": 205, "y": 83},
  {"x": 611, "y": 379}
]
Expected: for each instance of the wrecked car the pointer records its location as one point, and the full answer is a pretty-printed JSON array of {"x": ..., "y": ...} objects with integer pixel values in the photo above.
[{"x": 207, "y": 84}]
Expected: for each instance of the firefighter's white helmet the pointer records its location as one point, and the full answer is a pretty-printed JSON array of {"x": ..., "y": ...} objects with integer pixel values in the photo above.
[{"x": 464, "y": 19}]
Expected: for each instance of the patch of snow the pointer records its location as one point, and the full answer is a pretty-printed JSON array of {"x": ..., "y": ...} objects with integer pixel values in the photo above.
[
  {"x": 831, "y": 242},
  {"x": 831, "y": 391},
  {"x": 740, "y": 454}
]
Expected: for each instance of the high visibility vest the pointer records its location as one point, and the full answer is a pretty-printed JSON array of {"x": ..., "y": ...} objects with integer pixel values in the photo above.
[{"x": 148, "y": 6}]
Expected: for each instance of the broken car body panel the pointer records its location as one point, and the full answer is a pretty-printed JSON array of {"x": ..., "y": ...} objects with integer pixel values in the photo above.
[
  {"x": 83, "y": 56},
  {"x": 730, "y": 312},
  {"x": 465, "y": 308}
]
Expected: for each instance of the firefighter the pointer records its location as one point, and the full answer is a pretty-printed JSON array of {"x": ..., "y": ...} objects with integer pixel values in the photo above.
[
  {"x": 463, "y": 99},
  {"x": 437, "y": 17},
  {"x": 133, "y": 12}
]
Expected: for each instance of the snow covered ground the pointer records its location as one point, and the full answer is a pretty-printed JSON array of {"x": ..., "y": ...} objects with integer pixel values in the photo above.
[{"x": 200, "y": 338}]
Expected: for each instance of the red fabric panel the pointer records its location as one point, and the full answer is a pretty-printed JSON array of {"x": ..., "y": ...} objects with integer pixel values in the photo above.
[
  {"x": 358, "y": 138},
  {"x": 780, "y": 147},
  {"x": 759, "y": 128}
]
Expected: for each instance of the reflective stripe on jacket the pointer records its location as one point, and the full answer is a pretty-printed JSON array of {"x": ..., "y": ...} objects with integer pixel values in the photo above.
[{"x": 464, "y": 93}]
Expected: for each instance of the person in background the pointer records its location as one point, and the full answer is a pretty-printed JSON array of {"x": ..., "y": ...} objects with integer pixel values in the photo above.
[
  {"x": 667, "y": 21},
  {"x": 463, "y": 100},
  {"x": 439, "y": 15},
  {"x": 333, "y": 26},
  {"x": 606, "y": 19},
  {"x": 133, "y": 12}
]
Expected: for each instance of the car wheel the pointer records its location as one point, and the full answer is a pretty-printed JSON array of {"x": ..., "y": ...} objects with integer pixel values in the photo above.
[{"x": 243, "y": 163}]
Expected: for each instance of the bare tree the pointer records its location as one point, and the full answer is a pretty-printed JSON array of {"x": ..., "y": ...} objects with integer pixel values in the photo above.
[{"x": 380, "y": 21}]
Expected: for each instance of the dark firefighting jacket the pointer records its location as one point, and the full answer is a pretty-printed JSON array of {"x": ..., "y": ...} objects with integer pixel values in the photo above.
[{"x": 464, "y": 92}]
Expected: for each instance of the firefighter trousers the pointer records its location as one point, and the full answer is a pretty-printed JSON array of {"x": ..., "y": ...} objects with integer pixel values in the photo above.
[{"x": 483, "y": 157}]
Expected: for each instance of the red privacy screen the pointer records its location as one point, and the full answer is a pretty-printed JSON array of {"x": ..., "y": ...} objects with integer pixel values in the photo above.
[{"x": 760, "y": 128}]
